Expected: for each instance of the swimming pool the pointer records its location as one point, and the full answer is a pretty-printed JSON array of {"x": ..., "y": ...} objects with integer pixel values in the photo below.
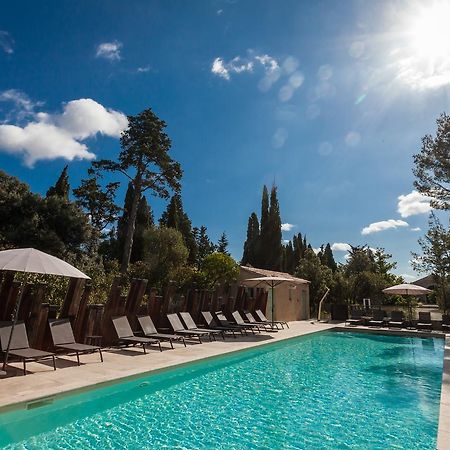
[{"x": 326, "y": 390}]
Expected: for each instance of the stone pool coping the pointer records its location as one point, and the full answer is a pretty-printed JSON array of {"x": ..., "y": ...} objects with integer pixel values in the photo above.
[{"x": 44, "y": 384}]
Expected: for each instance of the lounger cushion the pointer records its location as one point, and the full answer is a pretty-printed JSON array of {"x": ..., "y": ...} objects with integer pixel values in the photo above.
[
  {"x": 30, "y": 353},
  {"x": 78, "y": 347}
]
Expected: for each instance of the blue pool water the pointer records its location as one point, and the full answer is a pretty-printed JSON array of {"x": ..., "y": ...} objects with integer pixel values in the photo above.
[{"x": 323, "y": 391}]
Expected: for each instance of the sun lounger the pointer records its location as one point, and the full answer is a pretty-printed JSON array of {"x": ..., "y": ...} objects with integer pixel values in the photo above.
[
  {"x": 446, "y": 322},
  {"x": 226, "y": 323},
  {"x": 20, "y": 347},
  {"x": 355, "y": 317},
  {"x": 126, "y": 335},
  {"x": 424, "y": 322},
  {"x": 212, "y": 323},
  {"x": 397, "y": 319},
  {"x": 191, "y": 325},
  {"x": 263, "y": 318},
  {"x": 240, "y": 321},
  {"x": 149, "y": 329},
  {"x": 63, "y": 339},
  {"x": 378, "y": 316},
  {"x": 266, "y": 325},
  {"x": 178, "y": 328}
]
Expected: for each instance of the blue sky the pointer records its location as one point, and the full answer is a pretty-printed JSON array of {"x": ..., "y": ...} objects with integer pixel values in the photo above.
[{"x": 329, "y": 100}]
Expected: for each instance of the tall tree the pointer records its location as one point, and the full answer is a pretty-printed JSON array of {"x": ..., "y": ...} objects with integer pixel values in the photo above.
[
  {"x": 175, "y": 217},
  {"x": 99, "y": 205},
  {"x": 144, "y": 221},
  {"x": 327, "y": 257},
  {"x": 264, "y": 235},
  {"x": 146, "y": 162},
  {"x": 61, "y": 187},
  {"x": 123, "y": 222},
  {"x": 432, "y": 165},
  {"x": 435, "y": 258},
  {"x": 204, "y": 245},
  {"x": 250, "y": 255},
  {"x": 271, "y": 242},
  {"x": 222, "y": 245}
]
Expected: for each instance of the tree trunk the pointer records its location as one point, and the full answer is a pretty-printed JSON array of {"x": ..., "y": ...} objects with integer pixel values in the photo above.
[{"x": 130, "y": 229}]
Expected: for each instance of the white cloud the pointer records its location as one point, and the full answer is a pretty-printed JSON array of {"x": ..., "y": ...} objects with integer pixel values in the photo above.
[
  {"x": 316, "y": 250},
  {"x": 413, "y": 203},
  {"x": 19, "y": 98},
  {"x": 143, "y": 69},
  {"x": 416, "y": 229},
  {"x": 341, "y": 247},
  {"x": 218, "y": 68},
  {"x": 408, "y": 277},
  {"x": 6, "y": 42},
  {"x": 239, "y": 65},
  {"x": 287, "y": 226},
  {"x": 376, "y": 227},
  {"x": 51, "y": 136},
  {"x": 109, "y": 50}
]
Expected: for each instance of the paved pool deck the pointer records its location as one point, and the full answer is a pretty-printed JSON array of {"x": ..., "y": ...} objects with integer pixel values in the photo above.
[{"x": 42, "y": 382}]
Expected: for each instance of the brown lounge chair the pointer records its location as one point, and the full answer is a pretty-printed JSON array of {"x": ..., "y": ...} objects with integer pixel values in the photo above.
[
  {"x": 63, "y": 338},
  {"x": 240, "y": 321},
  {"x": 191, "y": 325},
  {"x": 263, "y": 318},
  {"x": 424, "y": 322},
  {"x": 226, "y": 323},
  {"x": 355, "y": 317},
  {"x": 377, "y": 319},
  {"x": 150, "y": 331},
  {"x": 212, "y": 323},
  {"x": 20, "y": 347},
  {"x": 397, "y": 319},
  {"x": 125, "y": 334},
  {"x": 266, "y": 325},
  {"x": 446, "y": 322},
  {"x": 178, "y": 328}
]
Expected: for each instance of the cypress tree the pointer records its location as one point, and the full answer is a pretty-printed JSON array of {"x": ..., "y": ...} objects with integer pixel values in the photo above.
[
  {"x": 61, "y": 187},
  {"x": 250, "y": 255},
  {"x": 328, "y": 258},
  {"x": 144, "y": 221},
  {"x": 262, "y": 256},
  {"x": 122, "y": 223},
  {"x": 272, "y": 241}
]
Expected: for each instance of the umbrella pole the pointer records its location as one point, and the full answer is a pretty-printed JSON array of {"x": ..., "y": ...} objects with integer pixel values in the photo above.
[
  {"x": 14, "y": 318},
  {"x": 273, "y": 300}
]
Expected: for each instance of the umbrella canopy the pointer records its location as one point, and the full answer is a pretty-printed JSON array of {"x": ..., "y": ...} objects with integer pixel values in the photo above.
[
  {"x": 406, "y": 289},
  {"x": 31, "y": 260},
  {"x": 269, "y": 281}
]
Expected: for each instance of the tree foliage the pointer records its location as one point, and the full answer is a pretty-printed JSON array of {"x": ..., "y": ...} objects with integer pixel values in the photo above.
[
  {"x": 219, "y": 269},
  {"x": 435, "y": 257},
  {"x": 432, "y": 165},
  {"x": 61, "y": 187}
]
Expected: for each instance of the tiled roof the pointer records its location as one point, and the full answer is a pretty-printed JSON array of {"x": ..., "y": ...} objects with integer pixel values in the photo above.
[{"x": 273, "y": 273}]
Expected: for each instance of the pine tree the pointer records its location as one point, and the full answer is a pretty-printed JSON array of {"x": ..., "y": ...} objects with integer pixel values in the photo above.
[
  {"x": 250, "y": 255},
  {"x": 144, "y": 221},
  {"x": 175, "y": 217},
  {"x": 222, "y": 245},
  {"x": 261, "y": 256},
  {"x": 61, "y": 187},
  {"x": 204, "y": 245}
]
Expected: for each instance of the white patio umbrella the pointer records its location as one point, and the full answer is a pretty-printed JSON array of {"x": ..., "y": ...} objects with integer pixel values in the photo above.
[
  {"x": 271, "y": 282},
  {"x": 410, "y": 290},
  {"x": 30, "y": 260}
]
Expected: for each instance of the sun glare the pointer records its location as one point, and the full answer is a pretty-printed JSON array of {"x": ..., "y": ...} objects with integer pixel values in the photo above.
[{"x": 430, "y": 31}]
